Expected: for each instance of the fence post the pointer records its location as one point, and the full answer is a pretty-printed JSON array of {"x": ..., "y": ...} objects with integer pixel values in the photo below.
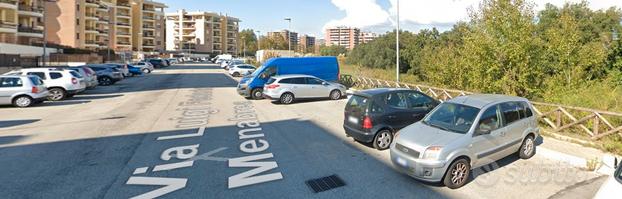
[
  {"x": 596, "y": 123},
  {"x": 558, "y": 115}
]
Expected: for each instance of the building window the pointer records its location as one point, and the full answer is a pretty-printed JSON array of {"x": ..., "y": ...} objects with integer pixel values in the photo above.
[
  {"x": 159, "y": 43},
  {"x": 77, "y": 35},
  {"x": 78, "y": 22},
  {"x": 78, "y": 7}
]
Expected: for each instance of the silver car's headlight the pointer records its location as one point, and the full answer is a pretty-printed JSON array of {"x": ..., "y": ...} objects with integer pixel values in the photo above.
[{"x": 432, "y": 152}]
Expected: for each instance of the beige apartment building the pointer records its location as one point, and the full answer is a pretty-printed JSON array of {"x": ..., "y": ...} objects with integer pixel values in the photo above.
[
  {"x": 347, "y": 37},
  {"x": 21, "y": 21},
  {"x": 122, "y": 25},
  {"x": 307, "y": 43},
  {"x": 201, "y": 32}
]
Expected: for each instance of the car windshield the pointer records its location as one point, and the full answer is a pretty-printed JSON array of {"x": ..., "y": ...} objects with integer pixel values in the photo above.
[
  {"x": 452, "y": 117},
  {"x": 257, "y": 72}
]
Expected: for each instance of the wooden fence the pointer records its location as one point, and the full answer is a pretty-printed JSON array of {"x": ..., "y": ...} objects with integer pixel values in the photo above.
[{"x": 595, "y": 124}]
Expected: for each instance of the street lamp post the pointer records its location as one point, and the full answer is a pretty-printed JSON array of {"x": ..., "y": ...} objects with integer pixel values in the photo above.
[
  {"x": 258, "y": 40},
  {"x": 397, "y": 43},
  {"x": 289, "y": 32}
]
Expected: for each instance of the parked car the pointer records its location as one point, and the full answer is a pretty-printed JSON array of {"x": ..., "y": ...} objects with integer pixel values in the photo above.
[
  {"x": 122, "y": 67},
  {"x": 22, "y": 91},
  {"x": 613, "y": 186},
  {"x": 375, "y": 115},
  {"x": 134, "y": 70},
  {"x": 173, "y": 60},
  {"x": 288, "y": 88},
  {"x": 463, "y": 133},
  {"x": 241, "y": 70},
  {"x": 157, "y": 63},
  {"x": 106, "y": 75},
  {"x": 144, "y": 66},
  {"x": 60, "y": 83},
  {"x": 325, "y": 68},
  {"x": 90, "y": 77},
  {"x": 227, "y": 64},
  {"x": 221, "y": 58}
]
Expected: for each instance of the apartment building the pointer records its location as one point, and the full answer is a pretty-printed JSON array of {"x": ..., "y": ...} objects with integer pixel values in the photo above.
[
  {"x": 122, "y": 25},
  {"x": 21, "y": 21},
  {"x": 293, "y": 37},
  {"x": 347, "y": 37},
  {"x": 307, "y": 43},
  {"x": 366, "y": 37},
  {"x": 201, "y": 32}
]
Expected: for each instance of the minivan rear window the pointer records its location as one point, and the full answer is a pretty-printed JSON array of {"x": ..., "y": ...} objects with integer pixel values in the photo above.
[{"x": 357, "y": 103}]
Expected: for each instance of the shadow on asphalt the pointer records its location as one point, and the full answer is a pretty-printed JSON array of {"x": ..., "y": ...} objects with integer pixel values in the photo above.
[
  {"x": 12, "y": 123},
  {"x": 62, "y": 103},
  {"x": 100, "y": 167},
  {"x": 11, "y": 139},
  {"x": 93, "y": 97}
]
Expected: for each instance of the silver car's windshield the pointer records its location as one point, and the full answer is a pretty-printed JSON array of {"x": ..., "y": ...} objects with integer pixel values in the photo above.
[{"x": 452, "y": 117}]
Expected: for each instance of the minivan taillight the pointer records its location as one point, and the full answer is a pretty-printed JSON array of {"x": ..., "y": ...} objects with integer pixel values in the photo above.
[
  {"x": 367, "y": 123},
  {"x": 272, "y": 86},
  {"x": 34, "y": 89},
  {"x": 74, "y": 80}
]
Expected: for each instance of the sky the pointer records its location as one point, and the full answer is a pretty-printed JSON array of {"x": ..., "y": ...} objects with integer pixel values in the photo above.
[{"x": 313, "y": 16}]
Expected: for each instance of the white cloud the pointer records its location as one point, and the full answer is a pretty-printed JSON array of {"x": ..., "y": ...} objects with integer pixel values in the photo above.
[
  {"x": 418, "y": 14},
  {"x": 359, "y": 13}
]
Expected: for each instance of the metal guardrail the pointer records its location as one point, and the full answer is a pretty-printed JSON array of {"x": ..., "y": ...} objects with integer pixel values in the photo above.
[{"x": 560, "y": 118}]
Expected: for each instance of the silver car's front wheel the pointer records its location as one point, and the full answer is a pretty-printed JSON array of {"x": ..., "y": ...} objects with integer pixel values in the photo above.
[
  {"x": 22, "y": 102},
  {"x": 458, "y": 174},
  {"x": 383, "y": 140}
]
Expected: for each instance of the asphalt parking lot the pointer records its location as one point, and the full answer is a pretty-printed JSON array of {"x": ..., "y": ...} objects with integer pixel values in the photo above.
[{"x": 184, "y": 132}]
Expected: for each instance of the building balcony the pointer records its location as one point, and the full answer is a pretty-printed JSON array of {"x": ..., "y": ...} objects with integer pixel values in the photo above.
[
  {"x": 33, "y": 11},
  {"x": 92, "y": 3},
  {"x": 149, "y": 27},
  {"x": 123, "y": 15},
  {"x": 6, "y": 27},
  {"x": 124, "y": 34},
  {"x": 123, "y": 43},
  {"x": 123, "y": 24},
  {"x": 124, "y": 5},
  {"x": 149, "y": 18},
  {"x": 102, "y": 8},
  {"x": 8, "y": 4},
  {"x": 30, "y": 31}
]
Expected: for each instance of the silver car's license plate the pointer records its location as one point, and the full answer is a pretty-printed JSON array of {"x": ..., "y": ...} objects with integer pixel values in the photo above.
[{"x": 353, "y": 120}]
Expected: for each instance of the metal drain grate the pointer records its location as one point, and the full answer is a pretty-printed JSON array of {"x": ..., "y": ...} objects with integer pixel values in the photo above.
[
  {"x": 112, "y": 118},
  {"x": 325, "y": 183}
]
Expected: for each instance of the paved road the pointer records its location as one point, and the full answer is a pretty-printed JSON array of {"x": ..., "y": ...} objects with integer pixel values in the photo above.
[{"x": 183, "y": 132}]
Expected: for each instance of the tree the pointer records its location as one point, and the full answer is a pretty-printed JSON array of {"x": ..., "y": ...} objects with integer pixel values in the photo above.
[
  {"x": 274, "y": 43},
  {"x": 248, "y": 42},
  {"x": 332, "y": 50}
]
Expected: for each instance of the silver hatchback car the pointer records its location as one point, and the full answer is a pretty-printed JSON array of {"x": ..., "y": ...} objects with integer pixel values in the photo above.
[
  {"x": 288, "y": 88},
  {"x": 463, "y": 133},
  {"x": 22, "y": 91}
]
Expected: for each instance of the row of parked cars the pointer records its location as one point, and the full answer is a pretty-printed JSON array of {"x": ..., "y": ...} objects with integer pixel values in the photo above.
[
  {"x": 29, "y": 86},
  {"x": 428, "y": 139}
]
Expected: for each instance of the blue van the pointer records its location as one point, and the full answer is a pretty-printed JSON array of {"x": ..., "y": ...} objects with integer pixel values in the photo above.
[{"x": 326, "y": 68}]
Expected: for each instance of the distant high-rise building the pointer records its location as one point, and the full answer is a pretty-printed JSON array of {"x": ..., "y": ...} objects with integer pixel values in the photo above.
[
  {"x": 347, "y": 37},
  {"x": 204, "y": 32},
  {"x": 21, "y": 21},
  {"x": 122, "y": 25},
  {"x": 307, "y": 43},
  {"x": 293, "y": 37}
]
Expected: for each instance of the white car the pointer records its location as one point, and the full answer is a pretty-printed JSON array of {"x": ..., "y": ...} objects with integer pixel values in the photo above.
[
  {"x": 613, "y": 187},
  {"x": 146, "y": 67},
  {"x": 287, "y": 88},
  {"x": 226, "y": 65},
  {"x": 60, "y": 83},
  {"x": 241, "y": 70}
]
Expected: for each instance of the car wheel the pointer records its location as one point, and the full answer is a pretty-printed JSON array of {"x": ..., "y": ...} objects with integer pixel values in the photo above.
[
  {"x": 236, "y": 74},
  {"x": 57, "y": 94},
  {"x": 528, "y": 148},
  {"x": 383, "y": 140},
  {"x": 287, "y": 98},
  {"x": 105, "y": 81},
  {"x": 335, "y": 95},
  {"x": 457, "y": 174},
  {"x": 257, "y": 93},
  {"x": 22, "y": 101},
  {"x": 146, "y": 71}
]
